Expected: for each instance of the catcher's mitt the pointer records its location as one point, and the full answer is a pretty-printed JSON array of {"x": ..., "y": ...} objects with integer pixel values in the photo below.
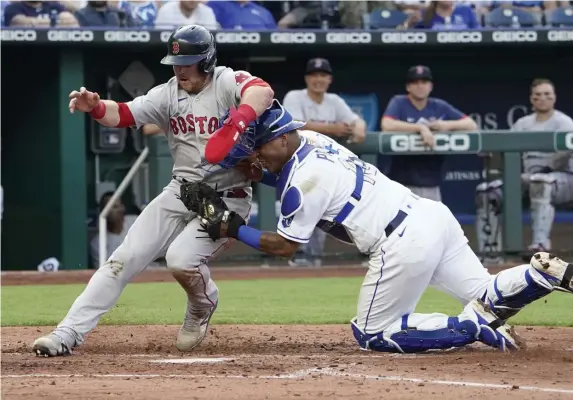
[{"x": 210, "y": 208}]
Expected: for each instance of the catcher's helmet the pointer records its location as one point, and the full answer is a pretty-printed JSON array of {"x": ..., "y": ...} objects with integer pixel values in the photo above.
[
  {"x": 274, "y": 122},
  {"x": 191, "y": 44}
]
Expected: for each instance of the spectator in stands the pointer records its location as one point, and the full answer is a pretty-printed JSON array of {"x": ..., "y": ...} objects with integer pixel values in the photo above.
[
  {"x": 326, "y": 113},
  {"x": 303, "y": 10},
  {"x": 38, "y": 14},
  {"x": 352, "y": 13},
  {"x": 445, "y": 15},
  {"x": 185, "y": 12},
  {"x": 99, "y": 13},
  {"x": 118, "y": 225},
  {"x": 536, "y": 8},
  {"x": 418, "y": 113},
  {"x": 143, "y": 12},
  {"x": 242, "y": 14},
  {"x": 411, "y": 6},
  {"x": 73, "y": 5}
]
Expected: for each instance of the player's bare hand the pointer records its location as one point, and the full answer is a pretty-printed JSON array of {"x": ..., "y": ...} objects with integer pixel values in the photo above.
[
  {"x": 341, "y": 129},
  {"x": 251, "y": 168},
  {"x": 83, "y": 100},
  {"x": 427, "y": 136},
  {"x": 439, "y": 126}
]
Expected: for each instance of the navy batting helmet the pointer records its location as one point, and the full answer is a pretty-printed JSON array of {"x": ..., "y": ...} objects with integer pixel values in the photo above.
[{"x": 191, "y": 44}]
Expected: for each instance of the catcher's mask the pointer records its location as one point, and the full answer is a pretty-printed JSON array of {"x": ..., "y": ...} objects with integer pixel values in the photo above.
[{"x": 274, "y": 122}]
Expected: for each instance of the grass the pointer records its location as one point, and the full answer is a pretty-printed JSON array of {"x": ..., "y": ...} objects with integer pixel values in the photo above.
[{"x": 269, "y": 301}]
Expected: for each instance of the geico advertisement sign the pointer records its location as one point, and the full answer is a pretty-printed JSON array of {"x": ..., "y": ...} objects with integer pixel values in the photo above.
[{"x": 456, "y": 142}]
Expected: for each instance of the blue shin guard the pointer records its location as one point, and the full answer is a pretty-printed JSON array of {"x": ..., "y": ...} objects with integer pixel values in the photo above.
[
  {"x": 412, "y": 340},
  {"x": 513, "y": 289}
]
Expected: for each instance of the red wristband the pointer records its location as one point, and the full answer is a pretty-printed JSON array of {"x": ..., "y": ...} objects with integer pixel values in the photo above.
[
  {"x": 248, "y": 112},
  {"x": 99, "y": 111}
]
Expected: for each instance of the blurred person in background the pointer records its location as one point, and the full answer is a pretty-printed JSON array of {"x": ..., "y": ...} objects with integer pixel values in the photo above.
[
  {"x": 142, "y": 11},
  {"x": 326, "y": 113},
  {"x": 298, "y": 14},
  {"x": 185, "y": 12},
  {"x": 445, "y": 15},
  {"x": 547, "y": 177},
  {"x": 99, "y": 13},
  {"x": 242, "y": 14},
  {"x": 418, "y": 113},
  {"x": 536, "y": 8},
  {"x": 38, "y": 14},
  {"x": 118, "y": 224},
  {"x": 352, "y": 12}
]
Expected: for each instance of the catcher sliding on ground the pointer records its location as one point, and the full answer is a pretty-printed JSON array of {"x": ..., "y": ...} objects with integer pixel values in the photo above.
[{"x": 412, "y": 242}]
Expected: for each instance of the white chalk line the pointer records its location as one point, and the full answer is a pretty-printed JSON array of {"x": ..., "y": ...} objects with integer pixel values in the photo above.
[
  {"x": 332, "y": 372},
  {"x": 302, "y": 374}
]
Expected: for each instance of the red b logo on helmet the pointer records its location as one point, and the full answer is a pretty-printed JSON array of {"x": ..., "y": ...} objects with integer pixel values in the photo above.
[{"x": 175, "y": 48}]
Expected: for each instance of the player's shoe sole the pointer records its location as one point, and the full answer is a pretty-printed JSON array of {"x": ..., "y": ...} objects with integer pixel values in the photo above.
[
  {"x": 192, "y": 333},
  {"x": 50, "y": 346},
  {"x": 495, "y": 332},
  {"x": 557, "y": 272}
]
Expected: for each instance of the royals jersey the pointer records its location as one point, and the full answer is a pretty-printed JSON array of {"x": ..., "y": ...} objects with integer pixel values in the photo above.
[
  {"x": 535, "y": 161},
  {"x": 317, "y": 183},
  {"x": 325, "y": 142},
  {"x": 190, "y": 119}
]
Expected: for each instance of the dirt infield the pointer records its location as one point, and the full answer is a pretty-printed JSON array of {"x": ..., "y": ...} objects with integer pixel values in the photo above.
[{"x": 273, "y": 362}]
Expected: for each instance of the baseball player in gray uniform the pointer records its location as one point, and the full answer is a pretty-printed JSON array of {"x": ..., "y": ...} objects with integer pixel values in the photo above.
[
  {"x": 326, "y": 113},
  {"x": 548, "y": 178},
  {"x": 187, "y": 108}
]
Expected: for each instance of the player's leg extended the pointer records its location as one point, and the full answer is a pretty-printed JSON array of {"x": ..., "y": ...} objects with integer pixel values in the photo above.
[
  {"x": 545, "y": 191},
  {"x": 398, "y": 275},
  {"x": 153, "y": 230},
  {"x": 187, "y": 258},
  {"x": 461, "y": 274},
  {"x": 488, "y": 219}
]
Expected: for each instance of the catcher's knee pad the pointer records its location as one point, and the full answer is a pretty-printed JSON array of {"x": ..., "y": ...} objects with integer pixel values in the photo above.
[
  {"x": 541, "y": 187},
  {"x": 514, "y": 288},
  {"x": 419, "y": 332}
]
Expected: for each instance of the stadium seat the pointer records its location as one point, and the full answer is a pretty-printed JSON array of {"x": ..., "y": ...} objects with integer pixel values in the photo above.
[
  {"x": 387, "y": 19},
  {"x": 507, "y": 17},
  {"x": 366, "y": 106},
  {"x": 561, "y": 17}
]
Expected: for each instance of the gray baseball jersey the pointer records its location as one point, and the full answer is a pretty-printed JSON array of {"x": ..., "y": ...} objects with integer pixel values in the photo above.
[
  {"x": 189, "y": 120},
  {"x": 534, "y": 161},
  {"x": 332, "y": 109}
]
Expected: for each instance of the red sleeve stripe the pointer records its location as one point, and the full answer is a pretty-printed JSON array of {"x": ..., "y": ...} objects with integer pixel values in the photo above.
[
  {"x": 254, "y": 82},
  {"x": 389, "y": 117},
  {"x": 125, "y": 116}
]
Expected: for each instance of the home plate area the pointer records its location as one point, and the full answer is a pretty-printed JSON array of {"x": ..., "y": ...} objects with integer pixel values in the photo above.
[{"x": 279, "y": 362}]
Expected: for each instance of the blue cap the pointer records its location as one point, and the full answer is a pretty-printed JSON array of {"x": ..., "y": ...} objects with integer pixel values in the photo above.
[{"x": 274, "y": 122}]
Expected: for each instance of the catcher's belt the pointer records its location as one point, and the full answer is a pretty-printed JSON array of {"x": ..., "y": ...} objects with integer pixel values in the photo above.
[{"x": 234, "y": 193}]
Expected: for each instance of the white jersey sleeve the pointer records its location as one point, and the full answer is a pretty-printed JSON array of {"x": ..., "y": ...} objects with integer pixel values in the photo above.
[
  {"x": 299, "y": 226},
  {"x": 293, "y": 104},
  {"x": 152, "y": 108},
  {"x": 343, "y": 111},
  {"x": 231, "y": 84}
]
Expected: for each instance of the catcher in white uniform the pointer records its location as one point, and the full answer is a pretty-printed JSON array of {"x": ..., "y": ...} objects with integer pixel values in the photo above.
[
  {"x": 412, "y": 242},
  {"x": 188, "y": 108},
  {"x": 546, "y": 177}
]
